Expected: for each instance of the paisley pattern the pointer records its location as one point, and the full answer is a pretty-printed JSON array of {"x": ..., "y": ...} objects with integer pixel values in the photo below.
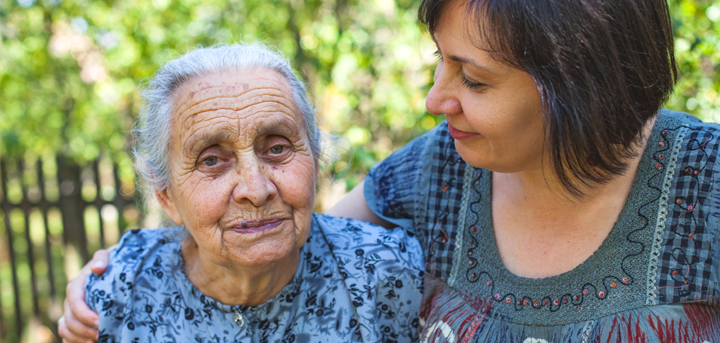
[{"x": 356, "y": 282}]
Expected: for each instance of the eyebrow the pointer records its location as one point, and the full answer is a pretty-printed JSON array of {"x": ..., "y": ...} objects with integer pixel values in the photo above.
[
  {"x": 213, "y": 138},
  {"x": 217, "y": 136},
  {"x": 461, "y": 59},
  {"x": 277, "y": 127},
  {"x": 470, "y": 62}
]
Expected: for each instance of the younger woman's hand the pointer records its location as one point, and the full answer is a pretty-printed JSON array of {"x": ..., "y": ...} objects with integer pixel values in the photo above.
[{"x": 79, "y": 323}]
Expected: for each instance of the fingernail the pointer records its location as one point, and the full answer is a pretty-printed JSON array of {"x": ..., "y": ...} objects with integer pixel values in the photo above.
[
  {"x": 98, "y": 264},
  {"x": 97, "y": 323}
]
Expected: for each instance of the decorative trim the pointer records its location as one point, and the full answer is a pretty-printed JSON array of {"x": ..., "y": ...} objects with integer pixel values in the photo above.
[
  {"x": 654, "y": 166},
  {"x": 457, "y": 254},
  {"x": 651, "y": 293}
]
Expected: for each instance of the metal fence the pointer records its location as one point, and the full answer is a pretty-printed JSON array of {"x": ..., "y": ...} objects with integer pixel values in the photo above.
[{"x": 53, "y": 215}]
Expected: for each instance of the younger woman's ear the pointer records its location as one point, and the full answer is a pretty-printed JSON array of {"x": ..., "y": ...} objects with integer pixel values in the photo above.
[{"x": 168, "y": 205}]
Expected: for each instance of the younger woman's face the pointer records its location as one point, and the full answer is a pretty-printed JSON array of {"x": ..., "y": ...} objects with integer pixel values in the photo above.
[{"x": 493, "y": 111}]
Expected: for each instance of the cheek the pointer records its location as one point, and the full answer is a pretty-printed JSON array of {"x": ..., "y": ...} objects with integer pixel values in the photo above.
[
  {"x": 296, "y": 184},
  {"x": 499, "y": 118},
  {"x": 206, "y": 200}
]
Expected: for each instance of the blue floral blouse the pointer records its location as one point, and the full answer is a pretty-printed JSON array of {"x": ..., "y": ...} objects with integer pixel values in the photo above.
[{"x": 356, "y": 282}]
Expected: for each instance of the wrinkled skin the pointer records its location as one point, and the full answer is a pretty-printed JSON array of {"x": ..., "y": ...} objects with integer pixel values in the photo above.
[
  {"x": 239, "y": 153},
  {"x": 242, "y": 181}
]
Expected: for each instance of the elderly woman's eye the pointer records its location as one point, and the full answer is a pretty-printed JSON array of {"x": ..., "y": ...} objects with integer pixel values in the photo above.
[
  {"x": 278, "y": 149},
  {"x": 210, "y": 161}
]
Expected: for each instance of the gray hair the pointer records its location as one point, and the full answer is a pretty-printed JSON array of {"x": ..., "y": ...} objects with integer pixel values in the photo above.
[{"x": 152, "y": 130}]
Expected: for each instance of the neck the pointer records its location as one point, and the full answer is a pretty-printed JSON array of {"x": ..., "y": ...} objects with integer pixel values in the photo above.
[
  {"x": 232, "y": 284},
  {"x": 563, "y": 230}
]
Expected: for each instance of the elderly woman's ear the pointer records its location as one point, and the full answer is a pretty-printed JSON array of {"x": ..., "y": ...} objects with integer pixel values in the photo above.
[{"x": 168, "y": 205}]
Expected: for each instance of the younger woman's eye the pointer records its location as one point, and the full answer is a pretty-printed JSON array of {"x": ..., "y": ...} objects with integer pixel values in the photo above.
[
  {"x": 471, "y": 85},
  {"x": 277, "y": 149},
  {"x": 438, "y": 54},
  {"x": 210, "y": 161}
]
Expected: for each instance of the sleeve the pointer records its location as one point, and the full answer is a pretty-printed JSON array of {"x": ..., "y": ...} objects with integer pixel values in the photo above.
[
  {"x": 106, "y": 295},
  {"x": 110, "y": 294},
  {"x": 713, "y": 216},
  {"x": 392, "y": 186},
  {"x": 383, "y": 274}
]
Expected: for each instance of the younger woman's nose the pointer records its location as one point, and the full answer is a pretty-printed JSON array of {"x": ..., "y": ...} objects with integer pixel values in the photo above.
[{"x": 442, "y": 98}]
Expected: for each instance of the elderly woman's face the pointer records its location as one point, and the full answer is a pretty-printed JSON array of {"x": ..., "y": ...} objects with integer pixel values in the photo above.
[{"x": 242, "y": 171}]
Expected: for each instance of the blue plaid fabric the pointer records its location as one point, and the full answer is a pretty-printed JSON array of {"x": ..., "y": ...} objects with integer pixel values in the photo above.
[
  {"x": 419, "y": 188},
  {"x": 674, "y": 248},
  {"x": 686, "y": 269}
]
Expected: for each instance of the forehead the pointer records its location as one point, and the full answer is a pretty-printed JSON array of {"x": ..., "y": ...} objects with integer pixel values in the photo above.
[
  {"x": 238, "y": 95},
  {"x": 462, "y": 35},
  {"x": 457, "y": 19}
]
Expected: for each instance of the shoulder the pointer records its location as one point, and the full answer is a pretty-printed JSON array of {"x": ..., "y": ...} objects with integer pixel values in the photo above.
[
  {"x": 351, "y": 238},
  {"x": 690, "y": 127},
  {"x": 142, "y": 242},
  {"x": 382, "y": 272},
  {"x": 337, "y": 231},
  {"x": 695, "y": 147},
  {"x": 396, "y": 187},
  {"x": 142, "y": 259},
  {"x": 138, "y": 246},
  {"x": 688, "y": 261},
  {"x": 426, "y": 149}
]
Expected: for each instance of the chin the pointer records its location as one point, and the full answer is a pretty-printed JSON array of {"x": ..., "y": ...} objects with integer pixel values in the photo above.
[
  {"x": 479, "y": 157},
  {"x": 473, "y": 156},
  {"x": 262, "y": 255}
]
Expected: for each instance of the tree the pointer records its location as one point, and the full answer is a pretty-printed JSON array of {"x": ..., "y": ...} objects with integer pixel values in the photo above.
[{"x": 69, "y": 70}]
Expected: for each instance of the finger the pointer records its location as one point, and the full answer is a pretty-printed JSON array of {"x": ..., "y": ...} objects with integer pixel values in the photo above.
[
  {"x": 66, "y": 335},
  {"x": 78, "y": 329},
  {"x": 100, "y": 261},
  {"x": 69, "y": 337},
  {"x": 75, "y": 301}
]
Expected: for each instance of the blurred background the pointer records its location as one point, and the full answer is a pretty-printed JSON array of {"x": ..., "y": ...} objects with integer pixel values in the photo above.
[{"x": 69, "y": 74}]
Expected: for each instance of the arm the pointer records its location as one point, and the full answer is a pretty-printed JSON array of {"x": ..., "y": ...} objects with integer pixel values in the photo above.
[
  {"x": 81, "y": 322},
  {"x": 353, "y": 205},
  {"x": 388, "y": 195}
]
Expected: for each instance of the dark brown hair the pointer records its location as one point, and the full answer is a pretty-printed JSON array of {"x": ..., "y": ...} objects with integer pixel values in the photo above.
[{"x": 603, "y": 69}]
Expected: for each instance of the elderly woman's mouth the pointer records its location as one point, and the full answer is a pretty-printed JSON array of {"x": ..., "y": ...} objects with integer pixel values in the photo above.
[{"x": 257, "y": 226}]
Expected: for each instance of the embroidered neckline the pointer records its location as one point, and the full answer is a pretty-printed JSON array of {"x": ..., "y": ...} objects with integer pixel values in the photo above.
[{"x": 491, "y": 280}]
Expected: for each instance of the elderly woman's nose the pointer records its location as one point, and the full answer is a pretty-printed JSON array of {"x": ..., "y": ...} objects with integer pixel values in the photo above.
[
  {"x": 254, "y": 186},
  {"x": 442, "y": 99}
]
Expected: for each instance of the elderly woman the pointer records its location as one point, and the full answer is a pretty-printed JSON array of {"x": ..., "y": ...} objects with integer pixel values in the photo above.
[
  {"x": 228, "y": 141},
  {"x": 558, "y": 202}
]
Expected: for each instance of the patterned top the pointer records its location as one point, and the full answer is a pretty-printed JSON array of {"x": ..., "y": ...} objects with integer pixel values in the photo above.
[
  {"x": 656, "y": 277},
  {"x": 355, "y": 283}
]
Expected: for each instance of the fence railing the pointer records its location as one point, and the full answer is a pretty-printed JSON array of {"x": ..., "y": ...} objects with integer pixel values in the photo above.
[{"x": 53, "y": 215}]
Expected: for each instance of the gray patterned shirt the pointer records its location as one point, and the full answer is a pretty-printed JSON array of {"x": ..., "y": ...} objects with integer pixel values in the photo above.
[{"x": 356, "y": 282}]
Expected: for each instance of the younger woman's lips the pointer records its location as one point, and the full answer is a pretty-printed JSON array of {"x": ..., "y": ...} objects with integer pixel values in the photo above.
[
  {"x": 257, "y": 226},
  {"x": 460, "y": 135}
]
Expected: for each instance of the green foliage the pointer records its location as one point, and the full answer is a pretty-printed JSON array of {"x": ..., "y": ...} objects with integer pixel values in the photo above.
[
  {"x": 697, "y": 32},
  {"x": 69, "y": 70}
]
